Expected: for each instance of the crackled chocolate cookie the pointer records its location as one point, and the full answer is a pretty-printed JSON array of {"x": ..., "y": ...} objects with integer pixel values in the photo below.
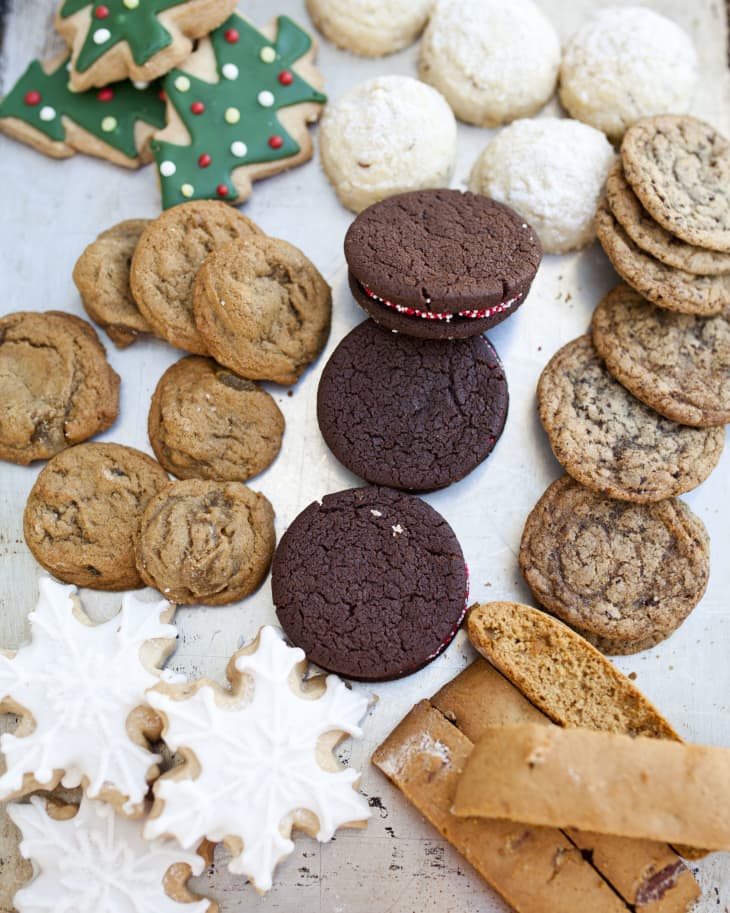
[
  {"x": 166, "y": 261},
  {"x": 440, "y": 264},
  {"x": 609, "y": 440},
  {"x": 625, "y": 576},
  {"x": 678, "y": 364},
  {"x": 206, "y": 422},
  {"x": 679, "y": 167},
  {"x": 674, "y": 289},
  {"x": 371, "y": 583},
  {"x": 101, "y": 275},
  {"x": 205, "y": 542},
  {"x": 262, "y": 308},
  {"x": 411, "y": 413},
  {"x": 56, "y": 386},
  {"x": 84, "y": 509}
]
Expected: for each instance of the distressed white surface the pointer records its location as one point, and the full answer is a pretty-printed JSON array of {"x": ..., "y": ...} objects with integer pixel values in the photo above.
[{"x": 51, "y": 210}]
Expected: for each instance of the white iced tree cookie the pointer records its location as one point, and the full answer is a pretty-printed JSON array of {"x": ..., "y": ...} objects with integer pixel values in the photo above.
[
  {"x": 258, "y": 758},
  {"x": 98, "y": 862},
  {"x": 79, "y": 689}
]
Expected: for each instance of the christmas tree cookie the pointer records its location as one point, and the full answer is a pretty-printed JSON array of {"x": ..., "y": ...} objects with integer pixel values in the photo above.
[
  {"x": 237, "y": 111},
  {"x": 133, "y": 39},
  {"x": 113, "y": 123}
]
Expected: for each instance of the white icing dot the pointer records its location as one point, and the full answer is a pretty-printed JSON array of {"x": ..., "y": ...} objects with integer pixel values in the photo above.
[
  {"x": 232, "y": 115},
  {"x": 267, "y": 54},
  {"x": 265, "y": 98},
  {"x": 182, "y": 84},
  {"x": 71, "y": 88},
  {"x": 108, "y": 124},
  {"x": 131, "y": 4},
  {"x": 167, "y": 169},
  {"x": 47, "y": 113},
  {"x": 101, "y": 36},
  {"x": 239, "y": 149},
  {"x": 187, "y": 190},
  {"x": 230, "y": 70},
  {"x": 140, "y": 84}
]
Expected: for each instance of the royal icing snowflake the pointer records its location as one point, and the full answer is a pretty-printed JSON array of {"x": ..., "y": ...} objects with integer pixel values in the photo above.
[
  {"x": 256, "y": 751},
  {"x": 98, "y": 862},
  {"x": 76, "y": 684}
]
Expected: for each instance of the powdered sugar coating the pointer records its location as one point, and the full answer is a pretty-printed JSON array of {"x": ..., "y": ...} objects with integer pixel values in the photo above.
[
  {"x": 493, "y": 61},
  {"x": 385, "y": 136},
  {"x": 551, "y": 171},
  {"x": 624, "y": 64},
  {"x": 370, "y": 27}
]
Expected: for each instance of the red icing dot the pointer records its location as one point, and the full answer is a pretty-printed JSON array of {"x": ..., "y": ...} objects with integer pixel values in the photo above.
[
  {"x": 197, "y": 107},
  {"x": 222, "y": 190},
  {"x": 204, "y": 160},
  {"x": 101, "y": 12},
  {"x": 32, "y": 98},
  {"x": 231, "y": 37},
  {"x": 286, "y": 77},
  {"x": 276, "y": 142},
  {"x": 161, "y": 95},
  {"x": 105, "y": 94}
]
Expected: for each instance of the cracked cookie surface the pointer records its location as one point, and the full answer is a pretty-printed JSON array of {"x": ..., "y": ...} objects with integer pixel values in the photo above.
[
  {"x": 610, "y": 441},
  {"x": 625, "y": 576}
]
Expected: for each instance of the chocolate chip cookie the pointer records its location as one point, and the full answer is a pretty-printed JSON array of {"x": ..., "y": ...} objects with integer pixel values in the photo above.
[
  {"x": 205, "y": 542},
  {"x": 206, "y": 422},
  {"x": 678, "y": 364},
  {"x": 84, "y": 509},
  {"x": 625, "y": 576},
  {"x": 609, "y": 440},
  {"x": 56, "y": 386}
]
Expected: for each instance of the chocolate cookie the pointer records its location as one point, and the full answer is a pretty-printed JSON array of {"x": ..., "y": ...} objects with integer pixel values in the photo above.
[
  {"x": 262, "y": 308},
  {"x": 411, "y": 413},
  {"x": 440, "y": 264},
  {"x": 166, "y": 261},
  {"x": 101, "y": 275},
  {"x": 670, "y": 288},
  {"x": 678, "y": 364},
  {"x": 679, "y": 167},
  {"x": 84, "y": 509},
  {"x": 205, "y": 542},
  {"x": 206, "y": 422},
  {"x": 625, "y": 576},
  {"x": 609, "y": 440},
  {"x": 371, "y": 583},
  {"x": 56, "y": 386}
]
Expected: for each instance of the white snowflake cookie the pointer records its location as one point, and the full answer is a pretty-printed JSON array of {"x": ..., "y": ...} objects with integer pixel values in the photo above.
[
  {"x": 98, "y": 862},
  {"x": 80, "y": 691},
  {"x": 258, "y": 758}
]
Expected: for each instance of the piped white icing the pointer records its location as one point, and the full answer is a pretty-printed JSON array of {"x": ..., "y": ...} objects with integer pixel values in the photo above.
[
  {"x": 96, "y": 862},
  {"x": 258, "y": 761},
  {"x": 79, "y": 682}
]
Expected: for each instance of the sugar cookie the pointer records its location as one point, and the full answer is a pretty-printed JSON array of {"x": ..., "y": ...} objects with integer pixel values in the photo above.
[{"x": 370, "y": 28}]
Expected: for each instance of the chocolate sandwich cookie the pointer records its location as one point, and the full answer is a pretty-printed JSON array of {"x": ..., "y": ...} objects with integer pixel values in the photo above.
[
  {"x": 440, "y": 264},
  {"x": 411, "y": 413},
  {"x": 370, "y": 583}
]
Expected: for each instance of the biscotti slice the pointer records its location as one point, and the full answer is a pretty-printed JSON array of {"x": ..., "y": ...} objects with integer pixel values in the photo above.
[
  {"x": 552, "y": 776},
  {"x": 536, "y": 870}
]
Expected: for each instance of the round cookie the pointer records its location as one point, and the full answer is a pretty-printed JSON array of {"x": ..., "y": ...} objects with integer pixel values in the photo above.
[
  {"x": 610, "y": 441},
  {"x": 166, "y": 261},
  {"x": 205, "y": 542},
  {"x": 625, "y": 576},
  {"x": 84, "y": 509},
  {"x": 678, "y": 364},
  {"x": 440, "y": 264},
  {"x": 492, "y": 61},
  {"x": 626, "y": 63},
  {"x": 370, "y": 28},
  {"x": 411, "y": 413},
  {"x": 262, "y": 308},
  {"x": 101, "y": 275},
  {"x": 370, "y": 583},
  {"x": 651, "y": 237},
  {"x": 56, "y": 386},
  {"x": 679, "y": 167},
  {"x": 386, "y": 136},
  {"x": 206, "y": 422},
  {"x": 670, "y": 288},
  {"x": 551, "y": 171}
]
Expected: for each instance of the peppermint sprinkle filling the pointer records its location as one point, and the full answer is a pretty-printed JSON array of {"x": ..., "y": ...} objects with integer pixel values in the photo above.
[{"x": 433, "y": 315}]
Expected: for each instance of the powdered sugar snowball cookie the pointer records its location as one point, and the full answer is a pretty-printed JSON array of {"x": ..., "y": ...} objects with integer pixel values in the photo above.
[
  {"x": 258, "y": 758},
  {"x": 370, "y": 28},
  {"x": 551, "y": 171},
  {"x": 492, "y": 61},
  {"x": 387, "y": 135},
  {"x": 626, "y": 63}
]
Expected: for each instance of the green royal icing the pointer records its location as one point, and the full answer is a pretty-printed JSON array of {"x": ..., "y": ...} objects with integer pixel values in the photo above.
[
  {"x": 137, "y": 25},
  {"x": 109, "y": 114},
  {"x": 234, "y": 127}
]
